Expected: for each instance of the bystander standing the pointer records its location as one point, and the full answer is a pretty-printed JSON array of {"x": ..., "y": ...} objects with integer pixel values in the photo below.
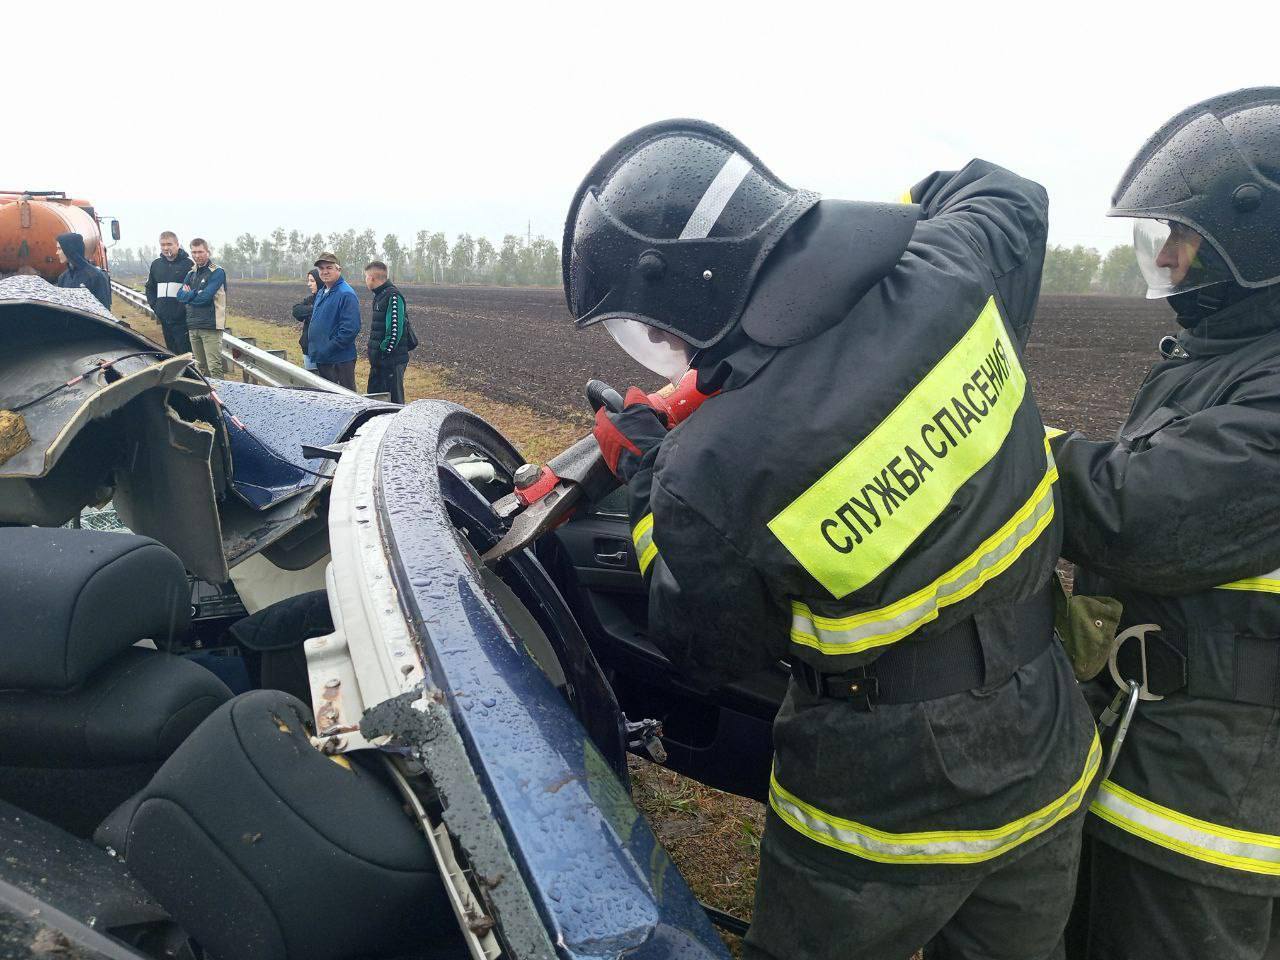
[
  {"x": 335, "y": 323},
  {"x": 390, "y": 335},
  {"x": 168, "y": 271},
  {"x": 302, "y": 313},
  {"x": 204, "y": 291},
  {"x": 80, "y": 272}
]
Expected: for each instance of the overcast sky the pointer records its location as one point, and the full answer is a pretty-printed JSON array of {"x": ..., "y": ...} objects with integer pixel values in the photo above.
[{"x": 217, "y": 118}]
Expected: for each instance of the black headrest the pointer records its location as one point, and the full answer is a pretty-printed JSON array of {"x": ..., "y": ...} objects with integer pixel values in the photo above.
[{"x": 70, "y": 600}]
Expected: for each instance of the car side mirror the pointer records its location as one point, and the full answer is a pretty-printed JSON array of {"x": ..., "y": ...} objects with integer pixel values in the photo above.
[{"x": 115, "y": 229}]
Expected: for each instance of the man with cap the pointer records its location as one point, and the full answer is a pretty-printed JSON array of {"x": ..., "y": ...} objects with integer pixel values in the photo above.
[
  {"x": 866, "y": 495},
  {"x": 1179, "y": 518},
  {"x": 335, "y": 324}
]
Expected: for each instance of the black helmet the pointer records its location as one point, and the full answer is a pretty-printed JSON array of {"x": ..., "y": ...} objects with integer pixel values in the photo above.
[
  {"x": 1206, "y": 191},
  {"x": 669, "y": 229}
]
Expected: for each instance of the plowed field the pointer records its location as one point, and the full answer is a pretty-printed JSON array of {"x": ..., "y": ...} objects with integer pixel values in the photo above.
[
  {"x": 1086, "y": 357},
  {"x": 515, "y": 344}
]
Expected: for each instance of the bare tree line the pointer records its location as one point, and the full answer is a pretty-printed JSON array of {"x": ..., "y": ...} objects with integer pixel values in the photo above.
[
  {"x": 536, "y": 262},
  {"x": 429, "y": 258}
]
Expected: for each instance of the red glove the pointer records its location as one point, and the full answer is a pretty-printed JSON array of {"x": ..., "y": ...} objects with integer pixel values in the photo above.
[
  {"x": 678, "y": 403},
  {"x": 626, "y": 437}
]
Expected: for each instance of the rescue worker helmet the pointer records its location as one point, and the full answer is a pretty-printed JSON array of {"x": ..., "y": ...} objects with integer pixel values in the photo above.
[
  {"x": 1205, "y": 195},
  {"x": 665, "y": 236}
]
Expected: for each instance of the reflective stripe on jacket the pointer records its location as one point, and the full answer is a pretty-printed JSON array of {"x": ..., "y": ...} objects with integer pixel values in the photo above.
[
  {"x": 880, "y": 627},
  {"x": 934, "y": 846},
  {"x": 1187, "y": 836}
]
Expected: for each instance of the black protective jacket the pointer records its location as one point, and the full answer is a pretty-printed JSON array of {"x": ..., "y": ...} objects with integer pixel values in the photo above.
[
  {"x": 164, "y": 280},
  {"x": 1179, "y": 518},
  {"x": 881, "y": 483},
  {"x": 302, "y": 313},
  {"x": 390, "y": 336}
]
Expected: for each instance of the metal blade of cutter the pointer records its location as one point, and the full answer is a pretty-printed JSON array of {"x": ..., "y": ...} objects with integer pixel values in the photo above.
[
  {"x": 582, "y": 473},
  {"x": 536, "y": 519}
]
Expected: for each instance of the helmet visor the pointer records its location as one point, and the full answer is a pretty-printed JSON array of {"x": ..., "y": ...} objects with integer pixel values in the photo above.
[
  {"x": 662, "y": 352},
  {"x": 591, "y": 231},
  {"x": 1175, "y": 259}
]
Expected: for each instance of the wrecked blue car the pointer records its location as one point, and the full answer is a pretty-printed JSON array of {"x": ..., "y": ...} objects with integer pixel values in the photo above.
[{"x": 260, "y": 697}]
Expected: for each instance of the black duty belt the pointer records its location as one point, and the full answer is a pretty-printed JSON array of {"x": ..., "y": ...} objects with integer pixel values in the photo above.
[
  {"x": 1216, "y": 665},
  {"x": 938, "y": 665}
]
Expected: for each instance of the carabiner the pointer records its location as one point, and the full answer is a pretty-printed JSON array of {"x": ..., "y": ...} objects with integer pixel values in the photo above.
[{"x": 1129, "y": 697}]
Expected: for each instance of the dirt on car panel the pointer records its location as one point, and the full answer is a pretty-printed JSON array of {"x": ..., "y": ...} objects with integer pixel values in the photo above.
[{"x": 423, "y": 726}]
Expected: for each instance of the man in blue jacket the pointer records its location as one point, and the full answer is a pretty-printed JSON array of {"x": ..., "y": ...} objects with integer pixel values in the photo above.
[
  {"x": 335, "y": 323},
  {"x": 80, "y": 272}
]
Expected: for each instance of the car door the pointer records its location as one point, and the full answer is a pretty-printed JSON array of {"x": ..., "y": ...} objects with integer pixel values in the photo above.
[{"x": 723, "y": 739}]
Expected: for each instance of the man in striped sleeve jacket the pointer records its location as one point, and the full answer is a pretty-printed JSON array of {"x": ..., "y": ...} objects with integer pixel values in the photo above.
[
  {"x": 168, "y": 271},
  {"x": 868, "y": 495},
  {"x": 390, "y": 336}
]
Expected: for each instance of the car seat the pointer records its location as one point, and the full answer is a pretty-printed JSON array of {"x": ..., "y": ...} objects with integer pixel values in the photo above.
[
  {"x": 87, "y": 717},
  {"x": 264, "y": 848}
]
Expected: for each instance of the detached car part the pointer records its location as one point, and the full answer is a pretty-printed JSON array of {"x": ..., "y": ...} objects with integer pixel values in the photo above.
[{"x": 434, "y": 670}]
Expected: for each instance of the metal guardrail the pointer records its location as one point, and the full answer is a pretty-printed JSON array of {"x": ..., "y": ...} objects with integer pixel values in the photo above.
[
  {"x": 255, "y": 364},
  {"x": 132, "y": 295}
]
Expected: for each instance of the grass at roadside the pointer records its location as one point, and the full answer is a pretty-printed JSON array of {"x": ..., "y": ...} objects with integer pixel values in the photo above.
[{"x": 713, "y": 837}]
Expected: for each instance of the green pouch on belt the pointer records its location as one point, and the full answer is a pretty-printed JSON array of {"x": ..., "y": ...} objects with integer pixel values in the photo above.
[{"x": 1087, "y": 628}]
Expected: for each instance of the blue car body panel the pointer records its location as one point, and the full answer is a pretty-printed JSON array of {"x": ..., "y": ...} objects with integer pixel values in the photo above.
[
  {"x": 602, "y": 884},
  {"x": 284, "y": 420}
]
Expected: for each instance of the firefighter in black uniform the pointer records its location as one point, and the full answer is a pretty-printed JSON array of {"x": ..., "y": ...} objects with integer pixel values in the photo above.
[
  {"x": 1179, "y": 518},
  {"x": 867, "y": 495}
]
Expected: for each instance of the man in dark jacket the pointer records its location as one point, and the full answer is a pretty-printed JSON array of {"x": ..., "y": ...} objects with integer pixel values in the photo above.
[
  {"x": 335, "y": 324},
  {"x": 868, "y": 496},
  {"x": 1179, "y": 518},
  {"x": 390, "y": 336},
  {"x": 204, "y": 293},
  {"x": 80, "y": 272},
  {"x": 164, "y": 280}
]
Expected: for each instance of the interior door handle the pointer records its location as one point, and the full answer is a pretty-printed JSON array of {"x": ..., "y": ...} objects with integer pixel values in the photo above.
[{"x": 618, "y": 559}]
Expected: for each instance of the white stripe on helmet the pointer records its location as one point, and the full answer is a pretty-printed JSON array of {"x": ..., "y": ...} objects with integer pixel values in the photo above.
[{"x": 713, "y": 202}]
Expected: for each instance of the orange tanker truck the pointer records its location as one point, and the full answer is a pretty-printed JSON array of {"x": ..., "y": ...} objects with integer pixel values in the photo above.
[{"x": 31, "y": 220}]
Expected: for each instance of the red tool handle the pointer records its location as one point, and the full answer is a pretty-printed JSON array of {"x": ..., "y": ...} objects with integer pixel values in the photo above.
[
  {"x": 676, "y": 405},
  {"x": 682, "y": 401}
]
